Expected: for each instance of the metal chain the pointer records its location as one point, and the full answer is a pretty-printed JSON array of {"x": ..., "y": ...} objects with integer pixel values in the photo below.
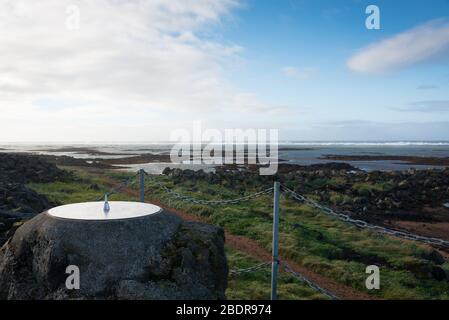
[
  {"x": 209, "y": 202},
  {"x": 365, "y": 225},
  {"x": 298, "y": 276},
  {"x": 128, "y": 182},
  {"x": 314, "y": 286},
  {"x": 237, "y": 272}
]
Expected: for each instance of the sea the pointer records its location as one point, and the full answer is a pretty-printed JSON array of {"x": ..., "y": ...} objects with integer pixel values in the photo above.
[{"x": 294, "y": 152}]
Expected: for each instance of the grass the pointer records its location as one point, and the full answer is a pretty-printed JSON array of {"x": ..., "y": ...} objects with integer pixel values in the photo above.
[
  {"x": 84, "y": 187},
  {"x": 366, "y": 189},
  {"x": 256, "y": 285},
  {"x": 323, "y": 244}
]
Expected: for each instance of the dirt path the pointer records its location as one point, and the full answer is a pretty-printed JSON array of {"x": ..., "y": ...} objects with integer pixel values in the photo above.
[{"x": 253, "y": 249}]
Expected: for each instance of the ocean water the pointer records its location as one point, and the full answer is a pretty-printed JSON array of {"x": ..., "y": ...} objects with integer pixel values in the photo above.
[
  {"x": 303, "y": 153},
  {"x": 312, "y": 153}
]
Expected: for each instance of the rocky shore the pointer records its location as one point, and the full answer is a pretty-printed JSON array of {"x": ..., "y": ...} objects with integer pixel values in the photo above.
[
  {"x": 377, "y": 196},
  {"x": 417, "y": 195},
  {"x": 407, "y": 199},
  {"x": 17, "y": 201}
]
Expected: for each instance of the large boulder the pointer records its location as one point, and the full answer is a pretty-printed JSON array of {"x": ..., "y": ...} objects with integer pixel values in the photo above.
[{"x": 152, "y": 257}]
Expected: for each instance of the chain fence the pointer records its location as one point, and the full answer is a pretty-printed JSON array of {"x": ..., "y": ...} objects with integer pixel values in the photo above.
[
  {"x": 208, "y": 202},
  {"x": 326, "y": 210},
  {"x": 257, "y": 267},
  {"x": 311, "y": 284},
  {"x": 237, "y": 272},
  {"x": 127, "y": 183},
  {"x": 365, "y": 225},
  {"x": 290, "y": 271}
]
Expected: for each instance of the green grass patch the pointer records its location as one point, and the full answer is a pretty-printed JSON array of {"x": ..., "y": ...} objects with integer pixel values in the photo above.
[
  {"x": 256, "y": 285},
  {"x": 84, "y": 187},
  {"x": 367, "y": 189}
]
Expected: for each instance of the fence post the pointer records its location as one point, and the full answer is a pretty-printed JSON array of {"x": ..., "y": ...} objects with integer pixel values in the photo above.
[
  {"x": 275, "y": 258},
  {"x": 142, "y": 185}
]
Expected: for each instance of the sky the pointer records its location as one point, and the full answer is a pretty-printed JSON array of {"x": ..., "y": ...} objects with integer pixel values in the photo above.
[{"x": 135, "y": 70}]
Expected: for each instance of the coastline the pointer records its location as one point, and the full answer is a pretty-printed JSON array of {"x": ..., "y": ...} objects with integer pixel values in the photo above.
[
  {"x": 369, "y": 156},
  {"x": 431, "y": 161}
]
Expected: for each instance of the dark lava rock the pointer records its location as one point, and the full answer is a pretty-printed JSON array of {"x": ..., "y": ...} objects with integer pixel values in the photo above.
[
  {"x": 19, "y": 198},
  {"x": 17, "y": 201},
  {"x": 433, "y": 256},
  {"x": 438, "y": 273},
  {"x": 152, "y": 257},
  {"x": 16, "y": 170},
  {"x": 371, "y": 194},
  {"x": 20, "y": 168}
]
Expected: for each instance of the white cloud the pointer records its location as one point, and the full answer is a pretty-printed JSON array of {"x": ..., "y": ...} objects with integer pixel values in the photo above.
[
  {"x": 425, "y": 43},
  {"x": 301, "y": 74},
  {"x": 129, "y": 51},
  {"x": 130, "y": 61}
]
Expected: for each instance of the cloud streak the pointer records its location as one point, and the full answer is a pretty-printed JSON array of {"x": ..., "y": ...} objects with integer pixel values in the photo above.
[
  {"x": 427, "y": 87},
  {"x": 424, "y": 44},
  {"x": 430, "y": 106}
]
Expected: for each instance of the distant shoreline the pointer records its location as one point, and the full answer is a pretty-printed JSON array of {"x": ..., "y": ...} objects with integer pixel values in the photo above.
[
  {"x": 431, "y": 161},
  {"x": 367, "y": 157},
  {"x": 392, "y": 143}
]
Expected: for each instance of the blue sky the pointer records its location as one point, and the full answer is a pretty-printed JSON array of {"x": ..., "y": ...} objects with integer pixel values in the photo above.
[
  {"x": 321, "y": 36},
  {"x": 136, "y": 71}
]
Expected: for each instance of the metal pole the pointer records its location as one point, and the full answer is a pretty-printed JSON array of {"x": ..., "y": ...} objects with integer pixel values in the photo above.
[
  {"x": 275, "y": 258},
  {"x": 142, "y": 185},
  {"x": 106, "y": 207}
]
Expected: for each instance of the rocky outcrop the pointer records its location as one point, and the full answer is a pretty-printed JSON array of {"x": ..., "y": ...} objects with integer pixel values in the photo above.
[
  {"x": 376, "y": 194},
  {"x": 21, "y": 169},
  {"x": 153, "y": 257},
  {"x": 17, "y": 201},
  {"x": 18, "y": 198}
]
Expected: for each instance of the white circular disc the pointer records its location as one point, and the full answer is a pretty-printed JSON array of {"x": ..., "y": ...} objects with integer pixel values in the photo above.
[{"x": 95, "y": 210}]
